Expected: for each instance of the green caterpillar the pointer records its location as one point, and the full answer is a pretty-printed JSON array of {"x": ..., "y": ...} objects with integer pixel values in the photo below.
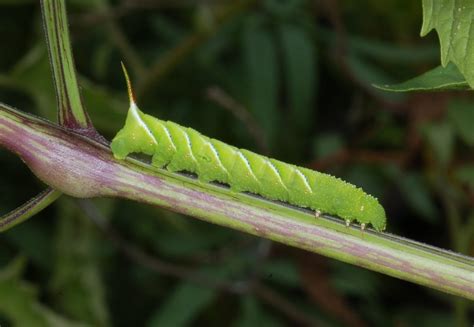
[{"x": 179, "y": 148}]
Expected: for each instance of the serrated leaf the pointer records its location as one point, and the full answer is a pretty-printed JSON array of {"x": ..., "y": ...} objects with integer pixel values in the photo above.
[
  {"x": 438, "y": 79},
  {"x": 452, "y": 19},
  {"x": 299, "y": 58},
  {"x": 461, "y": 114}
]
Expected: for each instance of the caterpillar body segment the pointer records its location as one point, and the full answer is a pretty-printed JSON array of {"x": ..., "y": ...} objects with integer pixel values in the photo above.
[{"x": 178, "y": 148}]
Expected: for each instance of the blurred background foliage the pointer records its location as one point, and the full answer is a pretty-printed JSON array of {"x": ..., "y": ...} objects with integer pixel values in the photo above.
[{"x": 291, "y": 79}]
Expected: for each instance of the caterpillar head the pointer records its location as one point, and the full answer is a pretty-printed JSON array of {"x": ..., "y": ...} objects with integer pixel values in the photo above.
[{"x": 372, "y": 212}]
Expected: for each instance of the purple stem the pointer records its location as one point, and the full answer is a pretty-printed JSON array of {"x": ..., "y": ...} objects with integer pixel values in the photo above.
[{"x": 80, "y": 167}]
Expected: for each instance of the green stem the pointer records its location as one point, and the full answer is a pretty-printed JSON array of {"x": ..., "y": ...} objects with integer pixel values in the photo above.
[
  {"x": 71, "y": 112},
  {"x": 28, "y": 209},
  {"x": 81, "y": 167}
]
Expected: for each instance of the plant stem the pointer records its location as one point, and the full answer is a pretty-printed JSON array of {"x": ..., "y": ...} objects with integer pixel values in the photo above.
[
  {"x": 28, "y": 209},
  {"x": 84, "y": 168},
  {"x": 71, "y": 111}
]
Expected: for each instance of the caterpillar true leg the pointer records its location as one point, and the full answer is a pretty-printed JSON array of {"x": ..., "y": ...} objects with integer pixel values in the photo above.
[
  {"x": 317, "y": 213},
  {"x": 348, "y": 222}
]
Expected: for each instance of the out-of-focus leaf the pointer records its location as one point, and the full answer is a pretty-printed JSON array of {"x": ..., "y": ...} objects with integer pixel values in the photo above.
[
  {"x": 417, "y": 195},
  {"x": 461, "y": 114},
  {"x": 440, "y": 137},
  {"x": 19, "y": 303},
  {"x": 327, "y": 144},
  {"x": 424, "y": 317},
  {"x": 283, "y": 272},
  {"x": 101, "y": 60},
  {"x": 260, "y": 57},
  {"x": 204, "y": 17},
  {"x": 14, "y": 2},
  {"x": 182, "y": 306},
  {"x": 369, "y": 74},
  {"x": 76, "y": 281},
  {"x": 452, "y": 19},
  {"x": 33, "y": 73},
  {"x": 381, "y": 50},
  {"x": 354, "y": 281},
  {"x": 171, "y": 234},
  {"x": 283, "y": 9},
  {"x": 390, "y": 52},
  {"x": 167, "y": 28},
  {"x": 438, "y": 79},
  {"x": 299, "y": 56},
  {"x": 366, "y": 177},
  {"x": 89, "y": 4},
  {"x": 253, "y": 315},
  {"x": 105, "y": 108},
  {"x": 32, "y": 239},
  {"x": 465, "y": 174}
]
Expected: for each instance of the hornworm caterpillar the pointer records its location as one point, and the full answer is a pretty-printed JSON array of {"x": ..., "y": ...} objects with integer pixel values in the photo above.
[{"x": 179, "y": 148}]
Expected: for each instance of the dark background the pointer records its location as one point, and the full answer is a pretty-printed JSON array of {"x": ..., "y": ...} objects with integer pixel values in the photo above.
[{"x": 291, "y": 79}]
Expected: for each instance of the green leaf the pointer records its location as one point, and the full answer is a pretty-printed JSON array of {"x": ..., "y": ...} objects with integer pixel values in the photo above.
[
  {"x": 107, "y": 110},
  {"x": 440, "y": 137},
  {"x": 369, "y": 74},
  {"x": 32, "y": 74},
  {"x": 353, "y": 281},
  {"x": 299, "y": 57},
  {"x": 452, "y": 19},
  {"x": 183, "y": 305},
  {"x": 417, "y": 195},
  {"x": 327, "y": 144},
  {"x": 262, "y": 71},
  {"x": 78, "y": 287},
  {"x": 420, "y": 316},
  {"x": 283, "y": 9},
  {"x": 28, "y": 209},
  {"x": 438, "y": 79},
  {"x": 461, "y": 114},
  {"x": 19, "y": 302},
  {"x": 281, "y": 271},
  {"x": 14, "y": 2},
  {"x": 254, "y": 315},
  {"x": 465, "y": 174}
]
